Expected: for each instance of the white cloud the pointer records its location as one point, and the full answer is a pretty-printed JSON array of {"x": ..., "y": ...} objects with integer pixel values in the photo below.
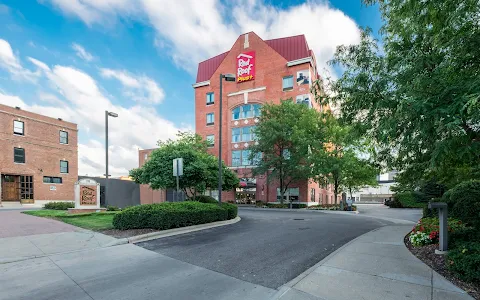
[
  {"x": 136, "y": 127},
  {"x": 198, "y": 30},
  {"x": 10, "y": 62},
  {"x": 81, "y": 52},
  {"x": 39, "y": 64},
  {"x": 138, "y": 87}
]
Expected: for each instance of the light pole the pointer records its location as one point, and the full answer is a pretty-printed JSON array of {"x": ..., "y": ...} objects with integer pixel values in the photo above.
[
  {"x": 114, "y": 115},
  {"x": 228, "y": 77}
]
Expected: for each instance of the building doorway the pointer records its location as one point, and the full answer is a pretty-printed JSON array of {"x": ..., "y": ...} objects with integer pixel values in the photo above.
[
  {"x": 10, "y": 190},
  {"x": 17, "y": 188}
]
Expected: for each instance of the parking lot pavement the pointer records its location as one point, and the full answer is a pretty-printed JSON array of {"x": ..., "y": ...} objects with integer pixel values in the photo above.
[{"x": 268, "y": 247}]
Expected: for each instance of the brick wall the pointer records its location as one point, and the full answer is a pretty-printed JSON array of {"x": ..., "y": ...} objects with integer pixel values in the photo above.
[{"x": 43, "y": 151}]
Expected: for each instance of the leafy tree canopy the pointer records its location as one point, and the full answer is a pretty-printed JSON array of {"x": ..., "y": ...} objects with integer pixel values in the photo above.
[
  {"x": 418, "y": 95},
  {"x": 200, "y": 169}
]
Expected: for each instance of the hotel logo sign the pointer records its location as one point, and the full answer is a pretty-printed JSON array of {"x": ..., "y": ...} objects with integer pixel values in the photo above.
[{"x": 246, "y": 66}]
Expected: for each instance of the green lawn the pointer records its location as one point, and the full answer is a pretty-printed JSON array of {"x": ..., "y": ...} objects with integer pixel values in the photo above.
[{"x": 92, "y": 221}]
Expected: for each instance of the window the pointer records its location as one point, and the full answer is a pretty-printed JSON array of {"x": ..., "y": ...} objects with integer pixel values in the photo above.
[
  {"x": 305, "y": 100},
  {"x": 145, "y": 157},
  {"x": 18, "y": 127},
  {"x": 236, "y": 158},
  {"x": 286, "y": 154},
  {"x": 50, "y": 179},
  {"x": 246, "y": 158},
  {"x": 312, "y": 195},
  {"x": 210, "y": 119},
  {"x": 291, "y": 194},
  {"x": 26, "y": 187},
  {"x": 210, "y": 98},
  {"x": 246, "y": 111},
  {"x": 256, "y": 110},
  {"x": 242, "y": 158},
  {"x": 236, "y": 113},
  {"x": 236, "y": 137},
  {"x": 287, "y": 83},
  {"x": 211, "y": 140},
  {"x": 63, "y": 166},
  {"x": 246, "y": 136},
  {"x": 63, "y": 137},
  {"x": 19, "y": 155}
]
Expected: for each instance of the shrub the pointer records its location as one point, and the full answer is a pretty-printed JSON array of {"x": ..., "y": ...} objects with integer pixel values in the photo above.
[
  {"x": 429, "y": 225},
  {"x": 171, "y": 215},
  {"x": 113, "y": 208},
  {"x": 395, "y": 203},
  {"x": 203, "y": 199},
  {"x": 462, "y": 236},
  {"x": 464, "y": 261},
  {"x": 286, "y": 205},
  {"x": 420, "y": 239},
  {"x": 409, "y": 200},
  {"x": 59, "y": 205},
  {"x": 465, "y": 201},
  {"x": 232, "y": 210}
]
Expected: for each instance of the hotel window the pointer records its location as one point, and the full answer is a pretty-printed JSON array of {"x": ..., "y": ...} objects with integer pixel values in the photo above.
[
  {"x": 236, "y": 136},
  {"x": 63, "y": 166},
  {"x": 305, "y": 100},
  {"x": 246, "y": 158},
  {"x": 312, "y": 195},
  {"x": 210, "y": 98},
  {"x": 291, "y": 194},
  {"x": 211, "y": 140},
  {"x": 246, "y": 136},
  {"x": 256, "y": 110},
  {"x": 236, "y": 158},
  {"x": 63, "y": 137},
  {"x": 50, "y": 179},
  {"x": 210, "y": 119},
  {"x": 287, "y": 83},
  {"x": 246, "y": 111},
  {"x": 18, "y": 128},
  {"x": 19, "y": 155}
]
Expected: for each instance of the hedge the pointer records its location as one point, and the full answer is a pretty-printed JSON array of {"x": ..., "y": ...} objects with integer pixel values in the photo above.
[
  {"x": 409, "y": 200},
  {"x": 204, "y": 199},
  {"x": 172, "y": 215},
  {"x": 464, "y": 200},
  {"x": 464, "y": 261},
  {"x": 59, "y": 205},
  {"x": 286, "y": 205}
]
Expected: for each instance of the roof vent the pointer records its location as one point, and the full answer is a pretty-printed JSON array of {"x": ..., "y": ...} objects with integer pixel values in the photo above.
[
  {"x": 17, "y": 107},
  {"x": 60, "y": 119}
]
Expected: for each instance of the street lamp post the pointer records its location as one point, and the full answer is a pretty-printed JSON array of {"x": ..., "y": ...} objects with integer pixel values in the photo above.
[
  {"x": 114, "y": 115},
  {"x": 227, "y": 77}
]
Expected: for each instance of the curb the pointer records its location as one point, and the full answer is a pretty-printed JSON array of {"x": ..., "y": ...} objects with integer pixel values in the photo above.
[{"x": 171, "y": 232}]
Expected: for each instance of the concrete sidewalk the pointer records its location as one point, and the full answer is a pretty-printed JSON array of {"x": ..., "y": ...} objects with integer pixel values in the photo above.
[
  {"x": 375, "y": 266},
  {"x": 40, "y": 245}
]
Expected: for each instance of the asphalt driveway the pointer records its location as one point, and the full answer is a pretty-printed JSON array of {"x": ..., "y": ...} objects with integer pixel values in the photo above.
[{"x": 268, "y": 247}]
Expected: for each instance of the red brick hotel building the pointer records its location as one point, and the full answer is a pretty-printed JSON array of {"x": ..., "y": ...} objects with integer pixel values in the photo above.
[{"x": 266, "y": 70}]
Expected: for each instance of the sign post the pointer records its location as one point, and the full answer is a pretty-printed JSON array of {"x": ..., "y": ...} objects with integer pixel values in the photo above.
[
  {"x": 443, "y": 220},
  {"x": 177, "y": 172}
]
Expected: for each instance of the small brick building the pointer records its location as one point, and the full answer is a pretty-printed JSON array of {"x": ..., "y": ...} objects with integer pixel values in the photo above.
[
  {"x": 265, "y": 71},
  {"x": 38, "y": 157}
]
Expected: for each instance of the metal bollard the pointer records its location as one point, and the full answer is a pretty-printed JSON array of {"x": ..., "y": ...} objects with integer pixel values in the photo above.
[{"x": 443, "y": 220}]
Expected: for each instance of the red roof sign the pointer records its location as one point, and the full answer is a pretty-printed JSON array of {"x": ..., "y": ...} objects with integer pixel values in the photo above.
[{"x": 246, "y": 66}]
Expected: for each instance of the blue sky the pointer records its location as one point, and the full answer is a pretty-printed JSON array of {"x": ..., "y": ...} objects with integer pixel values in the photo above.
[{"x": 74, "y": 59}]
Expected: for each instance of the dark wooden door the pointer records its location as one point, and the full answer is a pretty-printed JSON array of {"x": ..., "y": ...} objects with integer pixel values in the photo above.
[{"x": 10, "y": 188}]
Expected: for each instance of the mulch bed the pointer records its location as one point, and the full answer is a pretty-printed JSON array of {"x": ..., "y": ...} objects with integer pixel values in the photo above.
[
  {"x": 126, "y": 233},
  {"x": 437, "y": 262}
]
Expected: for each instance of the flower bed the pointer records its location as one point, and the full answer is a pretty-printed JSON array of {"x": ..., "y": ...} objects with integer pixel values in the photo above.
[{"x": 331, "y": 207}]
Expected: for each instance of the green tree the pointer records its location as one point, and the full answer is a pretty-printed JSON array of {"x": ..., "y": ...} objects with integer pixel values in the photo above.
[
  {"x": 335, "y": 159},
  {"x": 200, "y": 169},
  {"x": 418, "y": 95},
  {"x": 284, "y": 134}
]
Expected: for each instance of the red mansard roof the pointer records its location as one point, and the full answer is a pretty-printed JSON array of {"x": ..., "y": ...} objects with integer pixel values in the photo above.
[{"x": 291, "y": 48}]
